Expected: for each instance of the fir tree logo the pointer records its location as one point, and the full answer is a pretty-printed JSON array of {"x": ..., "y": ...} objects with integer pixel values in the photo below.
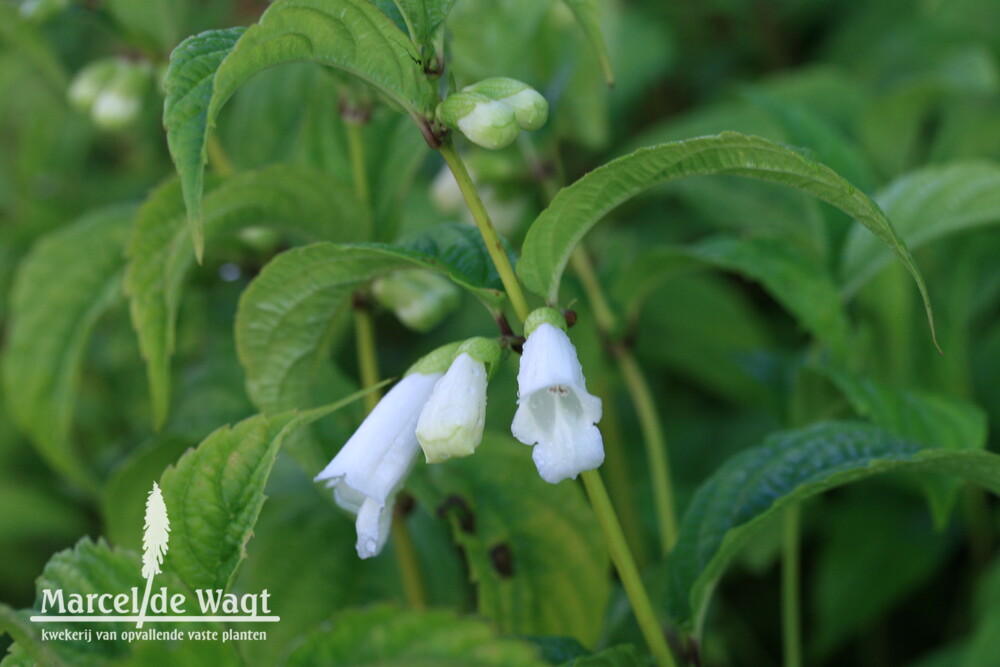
[{"x": 156, "y": 534}]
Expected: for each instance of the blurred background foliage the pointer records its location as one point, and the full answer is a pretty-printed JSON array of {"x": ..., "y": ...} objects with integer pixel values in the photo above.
[{"x": 901, "y": 97}]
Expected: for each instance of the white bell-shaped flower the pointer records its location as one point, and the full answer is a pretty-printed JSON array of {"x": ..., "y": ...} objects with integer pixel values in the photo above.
[
  {"x": 554, "y": 411},
  {"x": 451, "y": 423},
  {"x": 368, "y": 470}
]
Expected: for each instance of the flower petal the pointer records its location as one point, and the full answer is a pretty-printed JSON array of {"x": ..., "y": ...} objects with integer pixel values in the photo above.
[{"x": 451, "y": 423}]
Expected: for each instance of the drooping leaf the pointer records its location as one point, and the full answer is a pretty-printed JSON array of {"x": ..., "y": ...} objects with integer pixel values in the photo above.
[
  {"x": 350, "y": 35},
  {"x": 577, "y": 208},
  {"x": 388, "y": 637},
  {"x": 293, "y": 199},
  {"x": 925, "y": 205},
  {"x": 788, "y": 468},
  {"x": 533, "y": 549},
  {"x": 285, "y": 314},
  {"x": 189, "y": 83},
  {"x": 215, "y": 492},
  {"x": 63, "y": 286}
]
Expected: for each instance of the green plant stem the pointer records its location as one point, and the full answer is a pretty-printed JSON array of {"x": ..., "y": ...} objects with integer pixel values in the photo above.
[
  {"x": 656, "y": 446},
  {"x": 356, "y": 150},
  {"x": 642, "y": 399},
  {"x": 611, "y": 528},
  {"x": 791, "y": 631},
  {"x": 409, "y": 567},
  {"x": 364, "y": 334},
  {"x": 627, "y": 570},
  {"x": 493, "y": 245}
]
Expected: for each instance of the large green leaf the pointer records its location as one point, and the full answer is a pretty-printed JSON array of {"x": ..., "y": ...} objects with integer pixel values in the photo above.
[
  {"x": 788, "y": 468},
  {"x": 925, "y": 205},
  {"x": 285, "y": 315},
  {"x": 351, "y": 35},
  {"x": 294, "y": 199},
  {"x": 216, "y": 491},
  {"x": 189, "y": 83},
  {"x": 63, "y": 286},
  {"x": 577, "y": 208},
  {"x": 534, "y": 549},
  {"x": 388, "y": 637}
]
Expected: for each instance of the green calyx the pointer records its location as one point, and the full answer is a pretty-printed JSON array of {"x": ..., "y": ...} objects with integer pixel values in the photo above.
[
  {"x": 541, "y": 316},
  {"x": 486, "y": 350}
]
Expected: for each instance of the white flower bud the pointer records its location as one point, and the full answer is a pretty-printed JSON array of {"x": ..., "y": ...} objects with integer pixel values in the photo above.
[
  {"x": 90, "y": 81},
  {"x": 485, "y": 122},
  {"x": 119, "y": 102},
  {"x": 530, "y": 108},
  {"x": 554, "y": 411},
  {"x": 419, "y": 298},
  {"x": 451, "y": 422}
]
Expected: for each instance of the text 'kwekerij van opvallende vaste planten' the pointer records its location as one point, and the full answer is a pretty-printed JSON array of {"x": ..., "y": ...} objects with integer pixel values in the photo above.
[{"x": 575, "y": 332}]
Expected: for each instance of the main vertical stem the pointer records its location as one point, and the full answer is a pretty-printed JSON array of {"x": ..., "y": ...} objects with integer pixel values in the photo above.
[
  {"x": 493, "y": 245},
  {"x": 627, "y": 570},
  {"x": 611, "y": 528},
  {"x": 791, "y": 630}
]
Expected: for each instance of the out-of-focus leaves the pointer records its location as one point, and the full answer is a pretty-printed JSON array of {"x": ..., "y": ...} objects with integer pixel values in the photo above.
[
  {"x": 923, "y": 206},
  {"x": 388, "y": 637},
  {"x": 533, "y": 549},
  {"x": 293, "y": 199},
  {"x": 53, "y": 313}
]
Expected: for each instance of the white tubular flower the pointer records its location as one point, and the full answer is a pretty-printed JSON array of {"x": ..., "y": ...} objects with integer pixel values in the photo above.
[
  {"x": 451, "y": 423},
  {"x": 371, "y": 467},
  {"x": 554, "y": 411}
]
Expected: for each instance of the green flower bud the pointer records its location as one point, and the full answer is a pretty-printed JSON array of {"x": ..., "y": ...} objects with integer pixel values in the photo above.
[
  {"x": 420, "y": 299},
  {"x": 486, "y": 122},
  {"x": 90, "y": 81},
  {"x": 120, "y": 101},
  {"x": 530, "y": 108}
]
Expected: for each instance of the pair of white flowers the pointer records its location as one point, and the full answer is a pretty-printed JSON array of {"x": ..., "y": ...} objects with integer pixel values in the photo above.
[{"x": 440, "y": 407}]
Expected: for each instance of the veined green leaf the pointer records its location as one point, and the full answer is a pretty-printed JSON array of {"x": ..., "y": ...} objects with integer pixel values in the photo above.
[
  {"x": 70, "y": 278},
  {"x": 534, "y": 549},
  {"x": 577, "y": 208},
  {"x": 215, "y": 493},
  {"x": 388, "y": 637},
  {"x": 925, "y": 205},
  {"x": 425, "y": 18},
  {"x": 189, "y": 84},
  {"x": 788, "y": 468},
  {"x": 294, "y": 199},
  {"x": 285, "y": 315}
]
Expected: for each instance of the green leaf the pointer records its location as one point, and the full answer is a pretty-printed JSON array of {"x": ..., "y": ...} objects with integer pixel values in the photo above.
[
  {"x": 70, "y": 278},
  {"x": 577, "y": 208},
  {"x": 425, "y": 18},
  {"x": 386, "y": 637},
  {"x": 925, "y": 205},
  {"x": 788, "y": 468},
  {"x": 215, "y": 492},
  {"x": 189, "y": 84},
  {"x": 157, "y": 24},
  {"x": 588, "y": 15},
  {"x": 30, "y": 649},
  {"x": 293, "y": 199},
  {"x": 350, "y": 35},
  {"x": 932, "y": 420},
  {"x": 534, "y": 549},
  {"x": 285, "y": 315}
]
